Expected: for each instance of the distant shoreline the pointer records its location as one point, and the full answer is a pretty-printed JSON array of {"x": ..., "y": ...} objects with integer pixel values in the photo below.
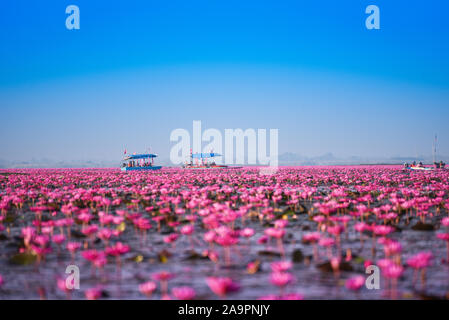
[{"x": 179, "y": 167}]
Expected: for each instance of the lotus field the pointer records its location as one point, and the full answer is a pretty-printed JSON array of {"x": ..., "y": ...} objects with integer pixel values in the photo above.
[{"x": 300, "y": 233}]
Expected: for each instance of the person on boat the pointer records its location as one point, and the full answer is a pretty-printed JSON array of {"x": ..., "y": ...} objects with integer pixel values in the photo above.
[
  {"x": 405, "y": 165},
  {"x": 442, "y": 164},
  {"x": 420, "y": 164},
  {"x": 414, "y": 164}
]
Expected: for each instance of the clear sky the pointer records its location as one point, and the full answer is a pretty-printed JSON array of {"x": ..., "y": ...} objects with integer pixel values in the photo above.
[{"x": 136, "y": 70}]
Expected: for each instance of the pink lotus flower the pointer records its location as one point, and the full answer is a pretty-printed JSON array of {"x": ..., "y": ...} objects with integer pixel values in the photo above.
[
  {"x": 281, "y": 279},
  {"x": 382, "y": 230},
  {"x": 58, "y": 238},
  {"x": 311, "y": 237},
  {"x": 319, "y": 219},
  {"x": 281, "y": 266},
  {"x": 355, "y": 283},
  {"x": 281, "y": 223},
  {"x": 148, "y": 288},
  {"x": 93, "y": 293},
  {"x": 335, "y": 230},
  {"x": 226, "y": 241},
  {"x": 84, "y": 217},
  {"x": 163, "y": 276},
  {"x": 209, "y": 236},
  {"x": 445, "y": 221},
  {"x": 61, "y": 284},
  {"x": 28, "y": 233},
  {"x": 89, "y": 230},
  {"x": 187, "y": 230},
  {"x": 275, "y": 232},
  {"x": 361, "y": 226},
  {"x": 393, "y": 271},
  {"x": 73, "y": 246},
  {"x": 392, "y": 247},
  {"x": 420, "y": 260},
  {"x": 118, "y": 249},
  {"x": 326, "y": 242},
  {"x": 171, "y": 238},
  {"x": 443, "y": 236},
  {"x": 183, "y": 293},
  {"x": 41, "y": 240},
  {"x": 221, "y": 286},
  {"x": 90, "y": 255},
  {"x": 262, "y": 240},
  {"x": 104, "y": 234},
  {"x": 247, "y": 232},
  {"x": 384, "y": 263}
]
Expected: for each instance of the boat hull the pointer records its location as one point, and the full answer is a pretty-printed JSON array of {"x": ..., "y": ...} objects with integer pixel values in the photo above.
[
  {"x": 211, "y": 168},
  {"x": 127, "y": 169},
  {"x": 420, "y": 168}
]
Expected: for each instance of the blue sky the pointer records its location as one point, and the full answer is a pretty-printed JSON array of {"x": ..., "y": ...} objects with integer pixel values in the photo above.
[{"x": 136, "y": 70}]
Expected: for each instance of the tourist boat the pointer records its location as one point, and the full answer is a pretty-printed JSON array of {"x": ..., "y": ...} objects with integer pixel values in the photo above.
[
  {"x": 139, "y": 162},
  {"x": 420, "y": 168},
  {"x": 437, "y": 167},
  {"x": 202, "y": 163}
]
